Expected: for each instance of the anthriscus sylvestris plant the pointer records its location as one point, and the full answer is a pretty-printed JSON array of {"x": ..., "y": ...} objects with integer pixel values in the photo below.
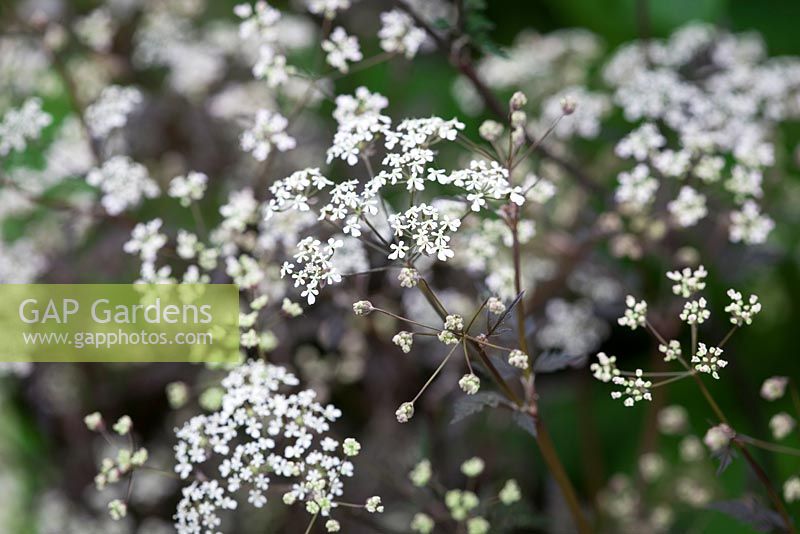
[{"x": 483, "y": 251}]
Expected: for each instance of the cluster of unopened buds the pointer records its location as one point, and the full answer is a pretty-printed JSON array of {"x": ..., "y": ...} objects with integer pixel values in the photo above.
[
  {"x": 127, "y": 460},
  {"x": 464, "y": 506}
]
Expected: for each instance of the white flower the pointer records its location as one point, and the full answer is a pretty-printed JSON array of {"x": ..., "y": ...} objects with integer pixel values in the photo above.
[
  {"x": 495, "y": 306},
  {"x": 781, "y": 425},
  {"x": 635, "y": 314},
  {"x": 362, "y": 307},
  {"x": 689, "y": 207},
  {"x": 188, "y": 188},
  {"x": 146, "y": 240},
  {"x": 634, "y": 389},
  {"x": 707, "y": 360},
  {"x": 408, "y": 277},
  {"x": 117, "y": 509},
  {"x": 341, "y": 48},
  {"x": 470, "y": 384},
  {"x": 123, "y": 425},
  {"x": 405, "y": 412},
  {"x": 695, "y": 312},
  {"x": 360, "y": 123},
  {"x": 718, "y": 437},
  {"x": 749, "y": 226},
  {"x": 23, "y": 124},
  {"x": 490, "y": 130},
  {"x": 691, "y": 449},
  {"x": 454, "y": 323},
  {"x": 327, "y": 8},
  {"x": 651, "y": 466},
  {"x": 317, "y": 270},
  {"x": 741, "y": 313},
  {"x": 745, "y": 182},
  {"x": 422, "y": 523},
  {"x": 472, "y": 467},
  {"x": 331, "y": 525},
  {"x": 671, "y": 351},
  {"x": 260, "y": 426},
  {"x": 640, "y": 142},
  {"x": 510, "y": 493},
  {"x": 374, "y": 505},
  {"x": 111, "y": 109},
  {"x": 240, "y": 211},
  {"x": 404, "y": 340},
  {"x": 477, "y": 525},
  {"x": 688, "y": 282},
  {"x": 427, "y": 229},
  {"x": 398, "y": 34},
  {"x": 124, "y": 184},
  {"x": 673, "y": 420},
  {"x": 774, "y": 387},
  {"x": 636, "y": 188},
  {"x": 605, "y": 369},
  {"x": 267, "y": 132},
  {"x": 518, "y": 359},
  {"x": 791, "y": 489},
  {"x": 421, "y": 474},
  {"x": 93, "y": 421},
  {"x": 351, "y": 447},
  {"x": 96, "y": 29}
]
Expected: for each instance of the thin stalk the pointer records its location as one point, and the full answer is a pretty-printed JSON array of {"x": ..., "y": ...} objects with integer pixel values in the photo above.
[
  {"x": 434, "y": 375},
  {"x": 754, "y": 465},
  {"x": 551, "y": 459}
]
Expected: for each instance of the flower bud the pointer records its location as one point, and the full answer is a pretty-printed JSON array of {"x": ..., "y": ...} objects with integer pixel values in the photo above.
[
  {"x": 568, "y": 105},
  {"x": 518, "y": 101}
]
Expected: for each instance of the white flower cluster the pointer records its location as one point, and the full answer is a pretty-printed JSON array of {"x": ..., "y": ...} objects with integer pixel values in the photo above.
[
  {"x": 722, "y": 99},
  {"x": 359, "y": 122},
  {"x": 409, "y": 146},
  {"x": 268, "y": 131},
  {"x": 774, "y": 387},
  {"x": 687, "y": 281},
  {"x": 484, "y": 182},
  {"x": 695, "y": 312},
  {"x": 258, "y": 436},
  {"x": 404, "y": 340},
  {"x": 111, "y": 109},
  {"x": 707, "y": 360},
  {"x": 671, "y": 351},
  {"x": 517, "y": 358},
  {"x": 741, "y": 313},
  {"x": 124, "y": 184},
  {"x": 605, "y": 368},
  {"x": 259, "y": 26},
  {"x": 327, "y": 8},
  {"x": 636, "y": 189},
  {"x": 314, "y": 268},
  {"x": 21, "y": 125},
  {"x": 399, "y": 35},
  {"x": 635, "y": 313},
  {"x": 688, "y": 208},
  {"x": 146, "y": 240},
  {"x": 634, "y": 389},
  {"x": 749, "y": 225},
  {"x": 341, "y": 49},
  {"x": 427, "y": 230},
  {"x": 188, "y": 188}
]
